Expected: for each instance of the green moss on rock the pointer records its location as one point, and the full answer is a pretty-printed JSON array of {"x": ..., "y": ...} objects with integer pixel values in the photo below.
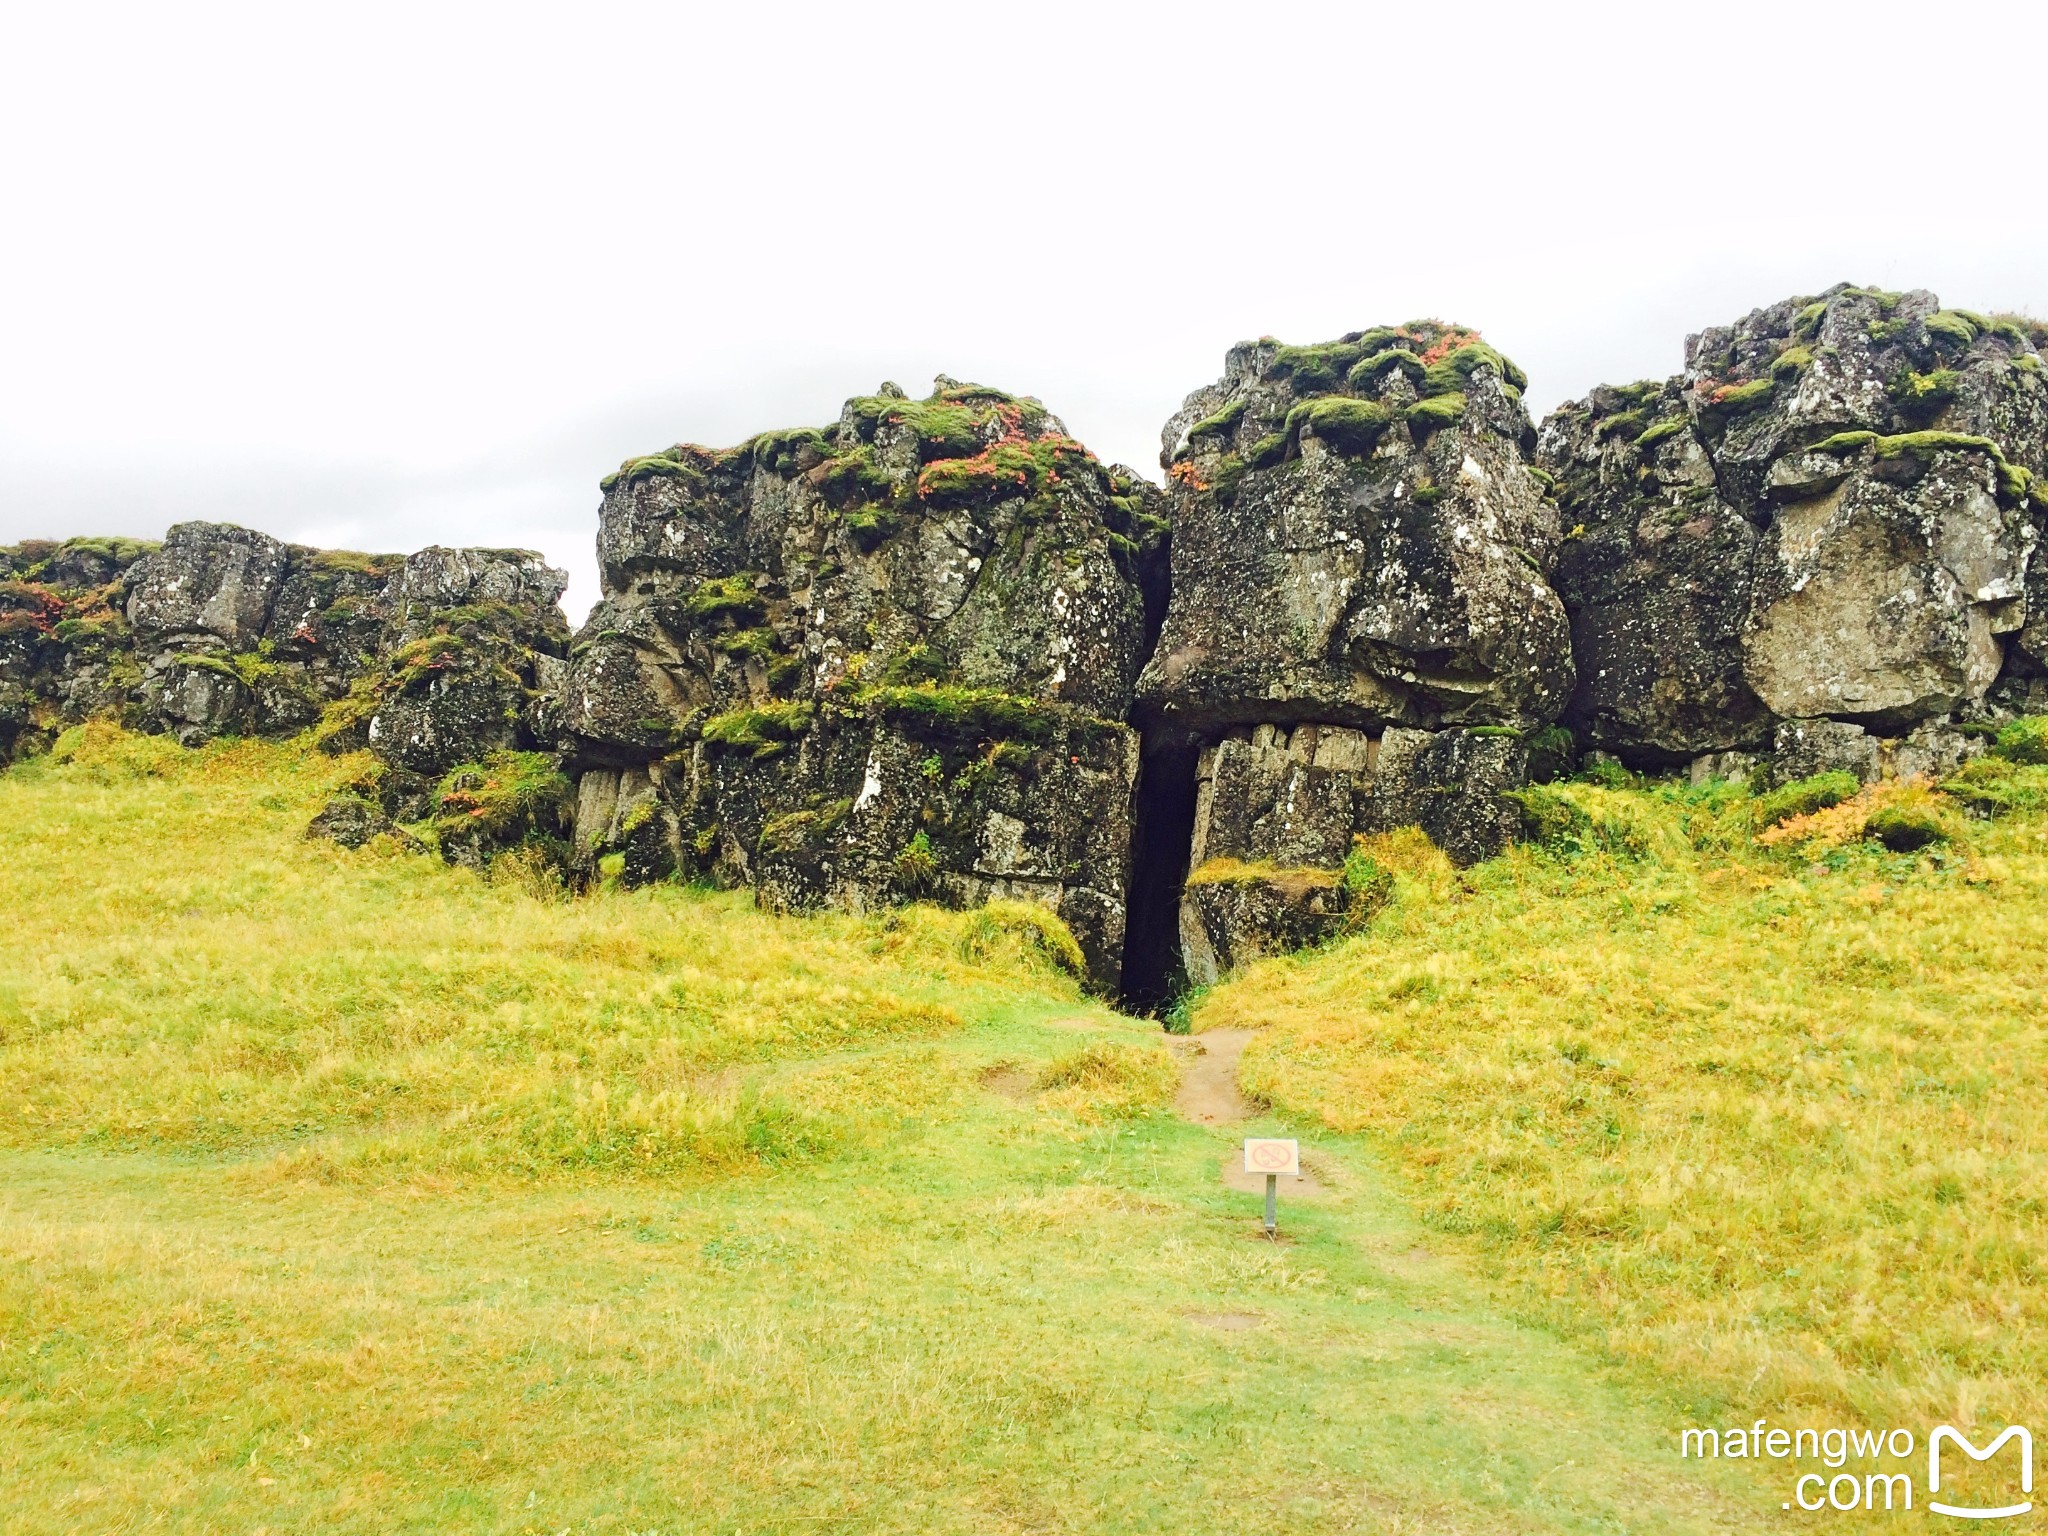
[
  {"x": 762, "y": 732},
  {"x": 1347, "y": 425}
]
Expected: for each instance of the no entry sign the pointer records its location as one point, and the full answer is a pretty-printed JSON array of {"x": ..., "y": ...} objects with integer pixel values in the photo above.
[{"x": 1271, "y": 1155}]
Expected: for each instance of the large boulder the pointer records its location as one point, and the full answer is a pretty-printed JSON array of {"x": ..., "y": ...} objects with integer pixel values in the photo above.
[
  {"x": 210, "y": 585},
  {"x": 887, "y": 658},
  {"x": 1830, "y": 515},
  {"x": 1358, "y": 541},
  {"x": 1361, "y": 629},
  {"x": 467, "y": 637}
]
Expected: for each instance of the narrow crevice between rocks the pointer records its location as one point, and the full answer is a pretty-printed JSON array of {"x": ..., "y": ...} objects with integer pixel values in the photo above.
[{"x": 1163, "y": 826}]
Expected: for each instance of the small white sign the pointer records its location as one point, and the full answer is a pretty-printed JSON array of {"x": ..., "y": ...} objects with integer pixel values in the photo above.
[{"x": 1264, "y": 1154}]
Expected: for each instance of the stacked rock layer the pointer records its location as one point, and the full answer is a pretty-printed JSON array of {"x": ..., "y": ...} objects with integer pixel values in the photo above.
[
  {"x": 936, "y": 650},
  {"x": 885, "y": 659}
]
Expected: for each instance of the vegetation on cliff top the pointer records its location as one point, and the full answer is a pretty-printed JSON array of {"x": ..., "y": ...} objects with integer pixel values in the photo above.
[{"x": 1337, "y": 391}]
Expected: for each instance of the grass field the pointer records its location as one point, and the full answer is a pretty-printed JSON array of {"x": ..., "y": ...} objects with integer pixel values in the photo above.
[
  {"x": 1767, "y": 1118},
  {"x": 352, "y": 1192}
]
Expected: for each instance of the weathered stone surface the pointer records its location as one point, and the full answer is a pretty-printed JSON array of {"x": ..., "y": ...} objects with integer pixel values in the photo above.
[
  {"x": 1244, "y": 915},
  {"x": 1280, "y": 796},
  {"x": 1453, "y": 785},
  {"x": 1358, "y": 541},
  {"x": 435, "y": 661},
  {"x": 1830, "y": 513},
  {"x": 886, "y": 659},
  {"x": 348, "y": 820},
  {"x": 470, "y": 632},
  {"x": 1655, "y": 570},
  {"x": 210, "y": 584},
  {"x": 1803, "y": 748}
]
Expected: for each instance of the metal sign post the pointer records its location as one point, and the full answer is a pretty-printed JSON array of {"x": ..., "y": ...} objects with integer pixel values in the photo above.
[{"x": 1272, "y": 1157}]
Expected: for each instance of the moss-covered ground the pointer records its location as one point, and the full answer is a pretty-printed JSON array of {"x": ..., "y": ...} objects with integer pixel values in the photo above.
[{"x": 352, "y": 1192}]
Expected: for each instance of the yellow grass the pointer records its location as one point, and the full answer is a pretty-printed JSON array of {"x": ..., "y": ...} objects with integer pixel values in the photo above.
[
  {"x": 1771, "y": 1123},
  {"x": 347, "y": 1192}
]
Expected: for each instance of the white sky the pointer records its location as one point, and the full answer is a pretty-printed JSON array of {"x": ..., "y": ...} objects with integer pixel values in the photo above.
[{"x": 381, "y": 276}]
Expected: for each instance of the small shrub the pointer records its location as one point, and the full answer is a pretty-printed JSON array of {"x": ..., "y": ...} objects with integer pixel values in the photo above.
[
  {"x": 2024, "y": 740},
  {"x": 1607, "y": 772},
  {"x": 916, "y": 867},
  {"x": 1907, "y": 823},
  {"x": 1803, "y": 797},
  {"x": 1368, "y": 886}
]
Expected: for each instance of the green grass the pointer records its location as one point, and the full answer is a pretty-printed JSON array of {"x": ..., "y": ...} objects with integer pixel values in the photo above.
[
  {"x": 1760, "y": 1110},
  {"x": 353, "y": 1192}
]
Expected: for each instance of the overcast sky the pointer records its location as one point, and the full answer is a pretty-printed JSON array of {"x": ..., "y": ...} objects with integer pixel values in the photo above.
[{"x": 382, "y": 276}]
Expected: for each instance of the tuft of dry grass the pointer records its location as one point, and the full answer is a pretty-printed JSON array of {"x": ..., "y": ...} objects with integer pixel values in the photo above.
[{"x": 1109, "y": 1080}]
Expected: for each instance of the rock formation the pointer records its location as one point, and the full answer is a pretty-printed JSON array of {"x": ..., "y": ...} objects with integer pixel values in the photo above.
[
  {"x": 888, "y": 658},
  {"x": 435, "y": 661},
  {"x": 936, "y": 650},
  {"x": 1815, "y": 541},
  {"x": 1361, "y": 631}
]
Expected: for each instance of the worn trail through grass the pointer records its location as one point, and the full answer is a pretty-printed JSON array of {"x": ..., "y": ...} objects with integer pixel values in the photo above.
[{"x": 354, "y": 1193}]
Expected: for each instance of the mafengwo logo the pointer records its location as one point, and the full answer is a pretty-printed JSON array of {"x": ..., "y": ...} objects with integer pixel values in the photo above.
[{"x": 1865, "y": 1469}]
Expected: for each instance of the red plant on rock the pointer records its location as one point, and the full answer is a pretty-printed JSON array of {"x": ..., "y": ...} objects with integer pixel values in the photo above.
[{"x": 27, "y": 607}]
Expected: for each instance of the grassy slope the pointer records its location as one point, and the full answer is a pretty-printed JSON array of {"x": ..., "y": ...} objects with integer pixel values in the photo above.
[
  {"x": 1769, "y": 1120},
  {"x": 351, "y": 1192}
]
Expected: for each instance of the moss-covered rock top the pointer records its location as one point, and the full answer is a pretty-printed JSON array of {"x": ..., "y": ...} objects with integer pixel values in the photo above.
[
  {"x": 1358, "y": 539},
  {"x": 889, "y": 455},
  {"x": 962, "y": 540},
  {"x": 1345, "y": 393}
]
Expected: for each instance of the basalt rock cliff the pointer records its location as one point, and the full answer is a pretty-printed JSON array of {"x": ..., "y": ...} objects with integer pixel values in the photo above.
[
  {"x": 447, "y": 663},
  {"x": 888, "y": 658},
  {"x": 936, "y": 650},
  {"x": 1362, "y": 632},
  {"x": 1817, "y": 542}
]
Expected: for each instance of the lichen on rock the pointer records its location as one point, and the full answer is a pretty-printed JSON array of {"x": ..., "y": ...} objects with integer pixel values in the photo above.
[
  {"x": 1830, "y": 514},
  {"x": 922, "y": 622}
]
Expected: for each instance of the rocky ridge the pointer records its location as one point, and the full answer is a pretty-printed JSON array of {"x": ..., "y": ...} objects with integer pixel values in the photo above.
[
  {"x": 884, "y": 659},
  {"x": 447, "y": 663},
  {"x": 936, "y": 650}
]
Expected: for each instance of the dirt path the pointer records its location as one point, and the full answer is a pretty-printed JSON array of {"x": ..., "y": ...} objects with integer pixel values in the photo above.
[{"x": 1208, "y": 1092}]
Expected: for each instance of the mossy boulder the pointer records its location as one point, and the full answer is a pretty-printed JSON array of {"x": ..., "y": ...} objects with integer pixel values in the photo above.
[
  {"x": 1830, "y": 514},
  {"x": 953, "y": 580},
  {"x": 1358, "y": 541}
]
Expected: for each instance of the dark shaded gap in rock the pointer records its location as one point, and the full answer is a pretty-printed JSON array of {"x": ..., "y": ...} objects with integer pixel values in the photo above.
[{"x": 1163, "y": 826}]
